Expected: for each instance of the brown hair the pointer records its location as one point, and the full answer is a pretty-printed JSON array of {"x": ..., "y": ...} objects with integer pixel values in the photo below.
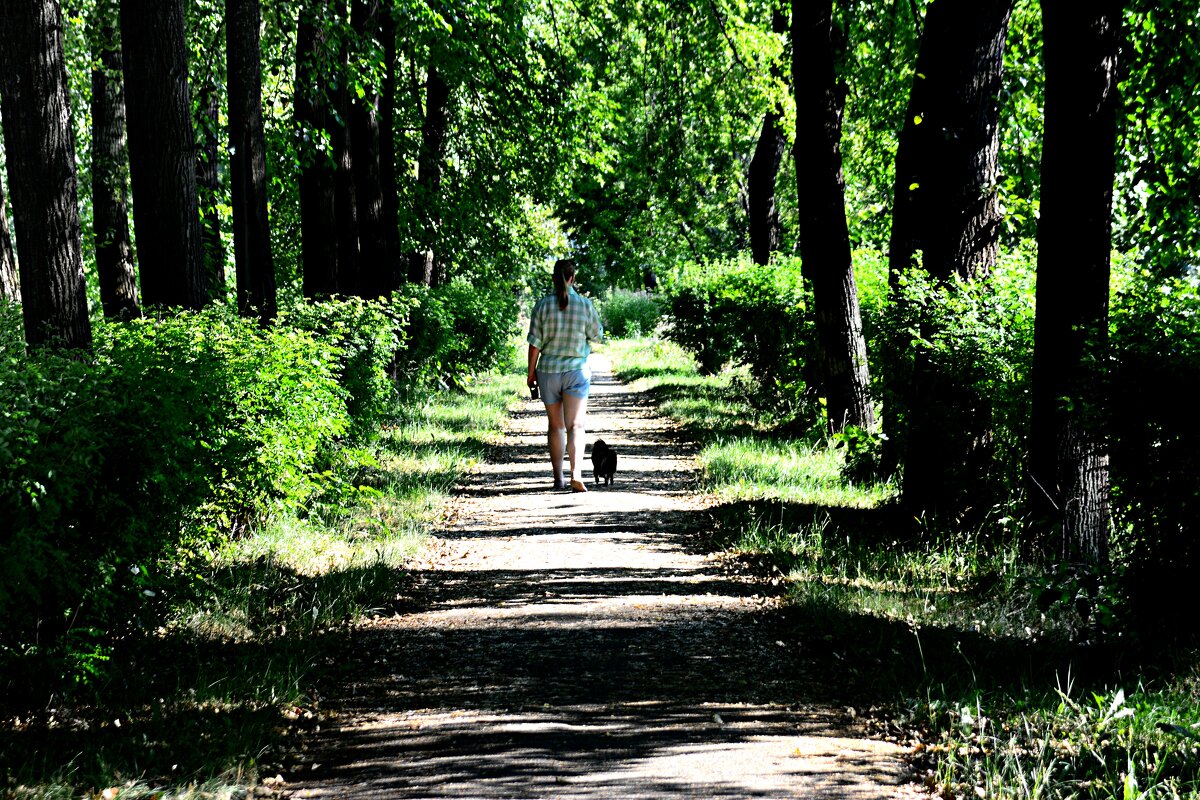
[{"x": 564, "y": 270}]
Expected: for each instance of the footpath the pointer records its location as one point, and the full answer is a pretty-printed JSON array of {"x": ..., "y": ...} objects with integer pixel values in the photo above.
[{"x": 578, "y": 646}]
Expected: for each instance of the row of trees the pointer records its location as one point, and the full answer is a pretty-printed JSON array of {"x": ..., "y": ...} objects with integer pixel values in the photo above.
[
  {"x": 198, "y": 141},
  {"x": 349, "y": 146}
]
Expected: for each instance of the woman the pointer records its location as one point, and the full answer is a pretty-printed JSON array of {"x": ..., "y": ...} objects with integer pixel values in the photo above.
[{"x": 560, "y": 328}]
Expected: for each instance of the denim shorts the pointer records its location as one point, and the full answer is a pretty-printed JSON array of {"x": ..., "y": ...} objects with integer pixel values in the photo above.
[{"x": 553, "y": 385}]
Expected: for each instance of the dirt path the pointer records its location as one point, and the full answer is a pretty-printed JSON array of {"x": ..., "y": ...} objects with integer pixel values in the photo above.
[{"x": 571, "y": 646}]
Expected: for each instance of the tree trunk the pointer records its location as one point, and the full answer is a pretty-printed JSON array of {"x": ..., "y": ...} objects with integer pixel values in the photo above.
[
  {"x": 376, "y": 273},
  {"x": 824, "y": 236},
  {"x": 424, "y": 264},
  {"x": 162, "y": 157},
  {"x": 387, "y": 151},
  {"x": 318, "y": 212},
  {"x": 1068, "y": 439},
  {"x": 110, "y": 172},
  {"x": 764, "y": 169},
  {"x": 10, "y": 286},
  {"x": 208, "y": 184},
  {"x": 345, "y": 195},
  {"x": 947, "y": 209},
  {"x": 254, "y": 266},
  {"x": 40, "y": 151}
]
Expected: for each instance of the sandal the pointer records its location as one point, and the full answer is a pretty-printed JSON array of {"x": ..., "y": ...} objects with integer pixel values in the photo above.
[{"x": 577, "y": 486}]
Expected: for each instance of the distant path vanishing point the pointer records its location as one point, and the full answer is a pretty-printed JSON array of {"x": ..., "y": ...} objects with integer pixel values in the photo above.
[{"x": 576, "y": 646}]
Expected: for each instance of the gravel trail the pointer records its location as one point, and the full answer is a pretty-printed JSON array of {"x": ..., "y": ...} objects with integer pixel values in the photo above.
[{"x": 577, "y": 646}]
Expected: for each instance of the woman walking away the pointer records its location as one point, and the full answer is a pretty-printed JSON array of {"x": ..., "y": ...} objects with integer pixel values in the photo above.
[{"x": 560, "y": 328}]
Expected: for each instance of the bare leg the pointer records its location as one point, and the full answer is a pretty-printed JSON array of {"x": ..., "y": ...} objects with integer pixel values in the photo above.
[
  {"x": 556, "y": 440},
  {"x": 574, "y": 416}
]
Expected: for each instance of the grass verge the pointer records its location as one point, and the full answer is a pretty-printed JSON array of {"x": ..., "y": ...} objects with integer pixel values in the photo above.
[
  {"x": 986, "y": 669},
  {"x": 208, "y": 704}
]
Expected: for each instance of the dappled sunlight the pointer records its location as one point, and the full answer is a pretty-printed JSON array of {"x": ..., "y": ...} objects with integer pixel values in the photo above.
[{"x": 581, "y": 645}]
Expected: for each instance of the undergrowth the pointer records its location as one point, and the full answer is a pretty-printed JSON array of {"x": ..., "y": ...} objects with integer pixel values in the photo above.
[
  {"x": 997, "y": 677},
  {"x": 208, "y": 704}
]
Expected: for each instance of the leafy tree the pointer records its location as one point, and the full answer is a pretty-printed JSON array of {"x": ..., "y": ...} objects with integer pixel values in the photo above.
[
  {"x": 764, "y": 168},
  {"x": 947, "y": 221},
  {"x": 40, "y": 151},
  {"x": 316, "y": 59},
  {"x": 247, "y": 162},
  {"x": 162, "y": 154},
  {"x": 824, "y": 237},
  {"x": 115, "y": 269},
  {"x": 1068, "y": 469}
]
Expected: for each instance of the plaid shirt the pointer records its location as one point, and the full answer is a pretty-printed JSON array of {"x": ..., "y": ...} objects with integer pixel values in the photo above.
[{"x": 563, "y": 336}]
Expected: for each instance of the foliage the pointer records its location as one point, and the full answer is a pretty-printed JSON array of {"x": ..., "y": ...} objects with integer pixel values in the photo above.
[
  {"x": 179, "y": 428},
  {"x": 756, "y": 315},
  {"x": 625, "y": 313},
  {"x": 982, "y": 338},
  {"x": 367, "y": 337},
  {"x": 454, "y": 330},
  {"x": 1156, "y": 445},
  {"x": 663, "y": 181},
  {"x": 214, "y": 691}
]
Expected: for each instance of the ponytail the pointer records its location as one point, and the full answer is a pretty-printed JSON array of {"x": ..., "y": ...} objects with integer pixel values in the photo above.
[{"x": 564, "y": 270}]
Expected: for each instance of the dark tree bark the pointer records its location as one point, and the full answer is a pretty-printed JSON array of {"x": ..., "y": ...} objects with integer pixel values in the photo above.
[
  {"x": 376, "y": 272},
  {"x": 947, "y": 209},
  {"x": 345, "y": 195},
  {"x": 424, "y": 266},
  {"x": 763, "y": 171},
  {"x": 387, "y": 150},
  {"x": 115, "y": 269},
  {"x": 1068, "y": 466},
  {"x": 10, "y": 285},
  {"x": 824, "y": 236},
  {"x": 318, "y": 212},
  {"x": 248, "y": 162},
  {"x": 40, "y": 151},
  {"x": 162, "y": 157},
  {"x": 208, "y": 185}
]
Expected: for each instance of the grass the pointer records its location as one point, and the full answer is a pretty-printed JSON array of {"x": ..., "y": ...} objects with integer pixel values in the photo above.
[
  {"x": 208, "y": 704},
  {"x": 988, "y": 670}
]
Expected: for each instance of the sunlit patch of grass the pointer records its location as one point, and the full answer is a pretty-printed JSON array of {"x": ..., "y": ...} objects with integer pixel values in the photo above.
[
  {"x": 236, "y": 785},
  {"x": 797, "y": 472},
  {"x": 1107, "y": 743}
]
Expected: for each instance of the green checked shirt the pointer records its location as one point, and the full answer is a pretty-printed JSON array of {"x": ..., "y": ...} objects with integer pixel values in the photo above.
[{"x": 563, "y": 336}]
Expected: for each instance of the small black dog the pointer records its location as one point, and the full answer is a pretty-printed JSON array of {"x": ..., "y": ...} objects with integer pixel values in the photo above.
[{"x": 604, "y": 462}]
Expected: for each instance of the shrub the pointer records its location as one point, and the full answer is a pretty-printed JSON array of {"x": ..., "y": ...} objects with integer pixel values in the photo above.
[
  {"x": 454, "y": 330},
  {"x": 367, "y": 337},
  {"x": 627, "y": 314},
  {"x": 758, "y": 315},
  {"x": 177, "y": 429},
  {"x": 1156, "y": 443},
  {"x": 977, "y": 336}
]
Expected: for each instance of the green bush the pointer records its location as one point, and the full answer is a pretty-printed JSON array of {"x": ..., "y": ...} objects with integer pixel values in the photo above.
[
  {"x": 757, "y": 315},
  {"x": 367, "y": 336},
  {"x": 978, "y": 336},
  {"x": 177, "y": 429},
  {"x": 625, "y": 313},
  {"x": 1156, "y": 443},
  {"x": 454, "y": 330}
]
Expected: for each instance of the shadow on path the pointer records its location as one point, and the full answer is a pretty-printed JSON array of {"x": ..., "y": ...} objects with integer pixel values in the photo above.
[{"x": 571, "y": 646}]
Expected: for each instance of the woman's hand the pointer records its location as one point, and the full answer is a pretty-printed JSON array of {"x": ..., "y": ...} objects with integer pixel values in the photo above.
[{"x": 531, "y": 378}]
